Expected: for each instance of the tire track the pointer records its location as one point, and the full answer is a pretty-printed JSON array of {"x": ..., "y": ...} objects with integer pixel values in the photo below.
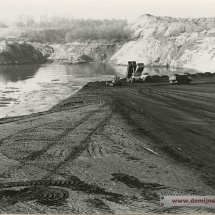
[
  {"x": 170, "y": 150},
  {"x": 195, "y": 110},
  {"x": 54, "y": 192},
  {"x": 125, "y": 109},
  {"x": 21, "y": 131},
  {"x": 96, "y": 150},
  {"x": 44, "y": 195},
  {"x": 186, "y": 155},
  {"x": 26, "y": 130},
  {"x": 83, "y": 145},
  {"x": 37, "y": 154},
  {"x": 99, "y": 205},
  {"x": 184, "y": 95}
]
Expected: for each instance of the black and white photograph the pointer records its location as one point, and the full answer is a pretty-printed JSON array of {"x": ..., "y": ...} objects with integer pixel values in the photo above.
[{"x": 107, "y": 107}]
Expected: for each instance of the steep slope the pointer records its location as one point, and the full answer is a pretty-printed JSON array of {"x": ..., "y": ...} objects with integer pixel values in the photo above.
[
  {"x": 94, "y": 49},
  {"x": 166, "y": 41},
  {"x": 77, "y": 51},
  {"x": 19, "y": 53}
]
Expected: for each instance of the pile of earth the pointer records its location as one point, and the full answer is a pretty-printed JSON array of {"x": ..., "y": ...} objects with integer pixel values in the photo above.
[
  {"x": 174, "y": 42},
  {"x": 19, "y": 53}
]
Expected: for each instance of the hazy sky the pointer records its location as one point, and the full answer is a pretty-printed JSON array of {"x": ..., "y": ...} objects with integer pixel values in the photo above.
[{"x": 124, "y": 9}]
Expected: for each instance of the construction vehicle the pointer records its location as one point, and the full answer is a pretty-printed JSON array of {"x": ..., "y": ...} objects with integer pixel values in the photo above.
[
  {"x": 180, "y": 79},
  {"x": 138, "y": 76},
  {"x": 116, "y": 81},
  {"x": 146, "y": 77}
]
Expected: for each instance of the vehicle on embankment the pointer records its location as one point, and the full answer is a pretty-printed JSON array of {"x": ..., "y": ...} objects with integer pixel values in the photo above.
[
  {"x": 180, "y": 79},
  {"x": 137, "y": 74}
]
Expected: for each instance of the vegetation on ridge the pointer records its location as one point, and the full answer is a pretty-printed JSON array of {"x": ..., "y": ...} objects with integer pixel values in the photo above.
[{"x": 66, "y": 29}]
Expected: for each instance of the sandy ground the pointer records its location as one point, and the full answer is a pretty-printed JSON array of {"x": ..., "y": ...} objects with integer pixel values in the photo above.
[{"x": 111, "y": 150}]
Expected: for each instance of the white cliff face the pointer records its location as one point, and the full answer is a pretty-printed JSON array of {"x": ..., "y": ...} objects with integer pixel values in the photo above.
[
  {"x": 96, "y": 50},
  {"x": 177, "y": 42}
]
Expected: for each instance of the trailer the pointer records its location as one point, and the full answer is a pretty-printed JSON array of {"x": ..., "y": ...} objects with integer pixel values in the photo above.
[{"x": 180, "y": 79}]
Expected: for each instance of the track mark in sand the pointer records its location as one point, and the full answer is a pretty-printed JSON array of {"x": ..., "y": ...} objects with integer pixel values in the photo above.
[
  {"x": 191, "y": 107},
  {"x": 43, "y": 195},
  {"x": 186, "y": 94},
  {"x": 127, "y": 116},
  {"x": 55, "y": 193},
  {"x": 96, "y": 150},
  {"x": 187, "y": 108},
  {"x": 150, "y": 95},
  {"x": 175, "y": 154},
  {"x": 97, "y": 123},
  {"x": 120, "y": 150},
  {"x": 37, "y": 154},
  {"x": 72, "y": 182},
  {"x": 134, "y": 182},
  {"x": 122, "y": 109},
  {"x": 99, "y": 205},
  {"x": 21, "y": 131},
  {"x": 146, "y": 189}
]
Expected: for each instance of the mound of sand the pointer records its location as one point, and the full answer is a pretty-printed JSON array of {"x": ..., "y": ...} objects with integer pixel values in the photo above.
[{"x": 177, "y": 42}]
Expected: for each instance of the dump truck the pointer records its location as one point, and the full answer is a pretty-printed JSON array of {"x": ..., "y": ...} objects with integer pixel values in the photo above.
[
  {"x": 137, "y": 74},
  {"x": 180, "y": 79}
]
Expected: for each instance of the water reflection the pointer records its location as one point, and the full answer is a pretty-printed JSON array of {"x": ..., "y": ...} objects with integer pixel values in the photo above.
[
  {"x": 15, "y": 73},
  {"x": 90, "y": 70},
  {"x": 32, "y": 88},
  {"x": 28, "y": 89}
]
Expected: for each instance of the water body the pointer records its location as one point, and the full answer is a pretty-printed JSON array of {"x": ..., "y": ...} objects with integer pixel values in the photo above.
[{"x": 26, "y": 89}]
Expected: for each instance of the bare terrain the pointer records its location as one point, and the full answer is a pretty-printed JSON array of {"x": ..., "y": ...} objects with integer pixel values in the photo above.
[{"x": 111, "y": 150}]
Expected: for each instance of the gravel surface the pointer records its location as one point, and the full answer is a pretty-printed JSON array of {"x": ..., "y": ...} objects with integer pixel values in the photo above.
[{"x": 111, "y": 150}]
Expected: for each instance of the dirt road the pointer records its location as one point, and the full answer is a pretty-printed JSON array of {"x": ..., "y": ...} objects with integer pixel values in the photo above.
[{"x": 111, "y": 150}]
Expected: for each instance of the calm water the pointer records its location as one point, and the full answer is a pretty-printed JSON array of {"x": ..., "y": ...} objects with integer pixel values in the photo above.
[{"x": 28, "y": 89}]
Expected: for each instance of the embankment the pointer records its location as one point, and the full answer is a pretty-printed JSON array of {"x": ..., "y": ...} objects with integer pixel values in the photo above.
[
  {"x": 86, "y": 51},
  {"x": 19, "y": 53},
  {"x": 111, "y": 150}
]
